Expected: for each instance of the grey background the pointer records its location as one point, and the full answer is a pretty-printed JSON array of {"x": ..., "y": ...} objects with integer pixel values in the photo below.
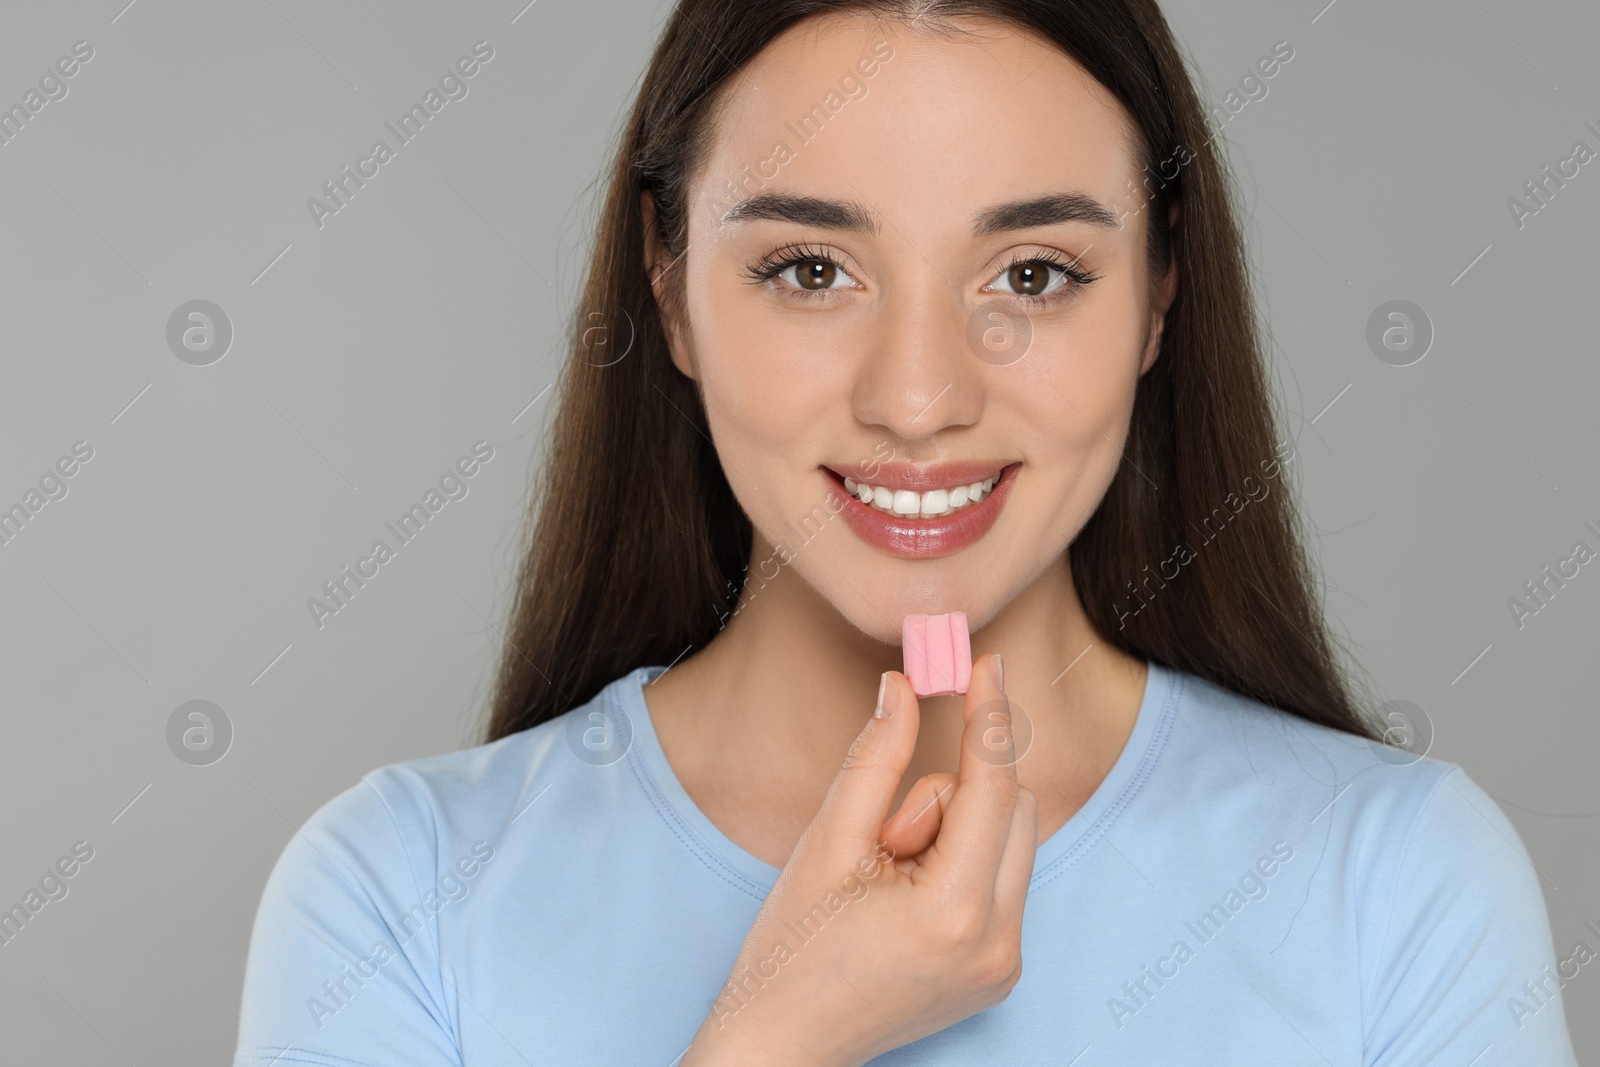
[{"x": 368, "y": 355}]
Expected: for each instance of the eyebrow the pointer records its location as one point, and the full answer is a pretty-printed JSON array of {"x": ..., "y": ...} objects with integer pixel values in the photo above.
[{"x": 1048, "y": 210}]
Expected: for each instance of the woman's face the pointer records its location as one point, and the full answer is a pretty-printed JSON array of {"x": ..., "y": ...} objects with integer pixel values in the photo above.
[{"x": 916, "y": 262}]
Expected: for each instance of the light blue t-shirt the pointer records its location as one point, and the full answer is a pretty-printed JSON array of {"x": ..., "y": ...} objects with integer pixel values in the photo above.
[{"x": 1244, "y": 887}]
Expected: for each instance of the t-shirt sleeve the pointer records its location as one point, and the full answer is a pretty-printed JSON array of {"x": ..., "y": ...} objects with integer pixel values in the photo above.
[
  {"x": 343, "y": 968},
  {"x": 1465, "y": 964}
]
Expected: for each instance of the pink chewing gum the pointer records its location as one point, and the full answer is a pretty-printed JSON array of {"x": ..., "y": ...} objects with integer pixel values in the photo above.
[{"x": 938, "y": 653}]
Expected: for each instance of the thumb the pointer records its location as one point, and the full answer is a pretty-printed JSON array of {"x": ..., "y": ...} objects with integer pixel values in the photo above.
[{"x": 853, "y": 812}]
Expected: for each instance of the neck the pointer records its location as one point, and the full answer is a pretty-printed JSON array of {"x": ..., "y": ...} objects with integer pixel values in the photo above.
[{"x": 789, "y": 682}]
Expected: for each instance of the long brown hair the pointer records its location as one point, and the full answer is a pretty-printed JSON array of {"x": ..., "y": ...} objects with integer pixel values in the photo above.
[{"x": 637, "y": 549}]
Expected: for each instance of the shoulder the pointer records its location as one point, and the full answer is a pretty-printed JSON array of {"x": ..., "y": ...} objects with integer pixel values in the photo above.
[
  {"x": 1389, "y": 817},
  {"x": 419, "y": 813},
  {"x": 1413, "y": 857},
  {"x": 365, "y": 897},
  {"x": 1240, "y": 747},
  {"x": 1420, "y": 848}
]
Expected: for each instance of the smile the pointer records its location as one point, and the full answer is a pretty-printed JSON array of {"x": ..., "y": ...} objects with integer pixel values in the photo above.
[
  {"x": 929, "y": 505},
  {"x": 924, "y": 512}
]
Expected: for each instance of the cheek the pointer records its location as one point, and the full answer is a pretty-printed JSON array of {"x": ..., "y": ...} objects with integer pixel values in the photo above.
[
  {"x": 1081, "y": 386},
  {"x": 765, "y": 374},
  {"x": 769, "y": 401},
  {"x": 1076, "y": 397}
]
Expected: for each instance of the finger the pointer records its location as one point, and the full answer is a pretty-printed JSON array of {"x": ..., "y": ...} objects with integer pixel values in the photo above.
[
  {"x": 972, "y": 837},
  {"x": 853, "y": 812},
  {"x": 915, "y": 825},
  {"x": 1016, "y": 866}
]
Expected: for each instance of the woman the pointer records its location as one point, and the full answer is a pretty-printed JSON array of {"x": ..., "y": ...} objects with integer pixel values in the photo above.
[{"x": 923, "y": 307}]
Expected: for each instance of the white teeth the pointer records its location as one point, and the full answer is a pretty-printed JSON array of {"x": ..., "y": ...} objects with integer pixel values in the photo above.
[{"x": 931, "y": 504}]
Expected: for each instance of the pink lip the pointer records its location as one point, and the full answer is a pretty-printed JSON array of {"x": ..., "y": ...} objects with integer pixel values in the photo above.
[{"x": 926, "y": 538}]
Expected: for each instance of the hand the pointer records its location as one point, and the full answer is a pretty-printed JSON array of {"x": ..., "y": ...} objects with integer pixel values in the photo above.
[{"x": 877, "y": 934}]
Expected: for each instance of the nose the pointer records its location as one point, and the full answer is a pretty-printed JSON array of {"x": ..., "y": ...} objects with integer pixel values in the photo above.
[{"x": 919, "y": 376}]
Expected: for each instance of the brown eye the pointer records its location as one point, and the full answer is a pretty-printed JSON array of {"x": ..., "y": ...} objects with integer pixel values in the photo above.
[
  {"x": 815, "y": 274},
  {"x": 801, "y": 270},
  {"x": 1029, "y": 279}
]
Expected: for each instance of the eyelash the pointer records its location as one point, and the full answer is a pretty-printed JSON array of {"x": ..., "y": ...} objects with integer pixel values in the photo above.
[{"x": 779, "y": 260}]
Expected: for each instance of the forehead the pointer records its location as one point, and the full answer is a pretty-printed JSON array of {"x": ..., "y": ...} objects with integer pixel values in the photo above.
[{"x": 918, "y": 123}]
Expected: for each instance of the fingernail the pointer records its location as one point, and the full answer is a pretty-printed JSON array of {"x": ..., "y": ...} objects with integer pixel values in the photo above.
[
  {"x": 887, "y": 697},
  {"x": 999, "y": 672}
]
